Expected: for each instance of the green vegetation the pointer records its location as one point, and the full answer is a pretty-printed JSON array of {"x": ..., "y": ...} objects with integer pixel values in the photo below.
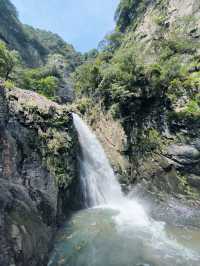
[
  {"x": 128, "y": 11},
  {"x": 43, "y": 80},
  {"x": 33, "y": 45},
  {"x": 87, "y": 77},
  {"x": 189, "y": 115},
  {"x": 126, "y": 77},
  {"x": 34, "y": 59},
  {"x": 49, "y": 44},
  {"x": 83, "y": 105},
  {"x": 121, "y": 73},
  {"x": 9, "y": 84},
  {"x": 160, "y": 20},
  {"x": 141, "y": 79},
  {"x": 193, "y": 107},
  {"x": 40, "y": 80},
  {"x": 145, "y": 73},
  {"x": 57, "y": 147},
  {"x": 185, "y": 187},
  {"x": 8, "y": 60},
  {"x": 47, "y": 86}
]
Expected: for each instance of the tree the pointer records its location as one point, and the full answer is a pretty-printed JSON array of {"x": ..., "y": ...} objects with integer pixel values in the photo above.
[
  {"x": 87, "y": 77},
  {"x": 111, "y": 42},
  {"x": 47, "y": 86},
  {"x": 8, "y": 60},
  {"x": 40, "y": 80}
]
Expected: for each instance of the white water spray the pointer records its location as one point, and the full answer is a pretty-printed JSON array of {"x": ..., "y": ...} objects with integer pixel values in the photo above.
[
  {"x": 100, "y": 186},
  {"x": 99, "y": 183},
  {"x": 101, "y": 189}
]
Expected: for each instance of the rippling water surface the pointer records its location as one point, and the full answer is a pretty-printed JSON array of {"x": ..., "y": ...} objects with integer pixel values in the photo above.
[
  {"x": 115, "y": 230},
  {"x": 93, "y": 237}
]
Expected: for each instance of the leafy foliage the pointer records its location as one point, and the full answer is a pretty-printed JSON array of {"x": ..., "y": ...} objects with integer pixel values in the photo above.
[
  {"x": 6, "y": 7},
  {"x": 126, "y": 70},
  {"x": 7, "y": 61},
  {"x": 40, "y": 80},
  {"x": 9, "y": 84},
  {"x": 87, "y": 77},
  {"x": 47, "y": 86}
]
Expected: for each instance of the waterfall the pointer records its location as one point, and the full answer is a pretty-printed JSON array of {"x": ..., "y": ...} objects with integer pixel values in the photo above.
[
  {"x": 98, "y": 180},
  {"x": 99, "y": 183},
  {"x": 114, "y": 229}
]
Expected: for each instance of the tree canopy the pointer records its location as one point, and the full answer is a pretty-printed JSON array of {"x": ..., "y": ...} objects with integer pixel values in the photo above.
[{"x": 8, "y": 60}]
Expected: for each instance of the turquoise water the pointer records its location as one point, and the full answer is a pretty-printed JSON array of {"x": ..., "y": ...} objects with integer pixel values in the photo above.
[{"x": 92, "y": 237}]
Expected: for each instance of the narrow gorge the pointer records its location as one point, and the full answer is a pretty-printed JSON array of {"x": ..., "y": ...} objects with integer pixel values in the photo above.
[{"x": 100, "y": 151}]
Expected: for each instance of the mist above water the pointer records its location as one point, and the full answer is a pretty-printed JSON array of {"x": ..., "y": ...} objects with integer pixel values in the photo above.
[
  {"x": 99, "y": 184},
  {"x": 114, "y": 229}
]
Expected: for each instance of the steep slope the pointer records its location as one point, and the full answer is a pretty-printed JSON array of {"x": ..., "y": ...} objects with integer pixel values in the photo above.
[
  {"x": 38, "y": 175},
  {"x": 41, "y": 51},
  {"x": 148, "y": 78},
  {"x": 33, "y": 45},
  {"x": 11, "y": 32}
]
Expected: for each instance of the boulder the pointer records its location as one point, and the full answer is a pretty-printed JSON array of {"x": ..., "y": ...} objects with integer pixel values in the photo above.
[
  {"x": 184, "y": 154},
  {"x": 194, "y": 181}
]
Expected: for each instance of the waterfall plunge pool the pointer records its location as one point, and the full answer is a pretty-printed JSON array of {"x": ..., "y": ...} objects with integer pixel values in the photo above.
[
  {"x": 115, "y": 230},
  {"x": 93, "y": 237}
]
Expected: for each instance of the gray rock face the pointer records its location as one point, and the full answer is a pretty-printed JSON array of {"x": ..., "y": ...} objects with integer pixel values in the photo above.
[
  {"x": 194, "y": 181},
  {"x": 24, "y": 236},
  {"x": 186, "y": 159},
  {"x": 65, "y": 92},
  {"x": 184, "y": 154},
  {"x": 158, "y": 175},
  {"x": 38, "y": 175},
  {"x": 196, "y": 144}
]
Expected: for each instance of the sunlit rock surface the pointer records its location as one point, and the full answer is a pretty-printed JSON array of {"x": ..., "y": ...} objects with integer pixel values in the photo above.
[{"x": 38, "y": 173}]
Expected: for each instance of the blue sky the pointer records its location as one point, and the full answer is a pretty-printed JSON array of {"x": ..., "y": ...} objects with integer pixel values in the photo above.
[{"x": 83, "y": 23}]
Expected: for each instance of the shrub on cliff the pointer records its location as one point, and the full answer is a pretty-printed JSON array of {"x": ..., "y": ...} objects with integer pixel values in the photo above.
[
  {"x": 128, "y": 11},
  {"x": 47, "y": 86},
  {"x": 87, "y": 78}
]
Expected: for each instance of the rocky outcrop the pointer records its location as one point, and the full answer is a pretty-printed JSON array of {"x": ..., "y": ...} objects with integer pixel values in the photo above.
[
  {"x": 150, "y": 149},
  {"x": 164, "y": 156},
  {"x": 38, "y": 175},
  {"x": 162, "y": 122},
  {"x": 112, "y": 137}
]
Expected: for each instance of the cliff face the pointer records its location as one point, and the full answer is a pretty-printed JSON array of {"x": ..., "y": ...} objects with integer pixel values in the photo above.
[
  {"x": 148, "y": 80},
  {"x": 38, "y": 174},
  {"x": 164, "y": 124}
]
